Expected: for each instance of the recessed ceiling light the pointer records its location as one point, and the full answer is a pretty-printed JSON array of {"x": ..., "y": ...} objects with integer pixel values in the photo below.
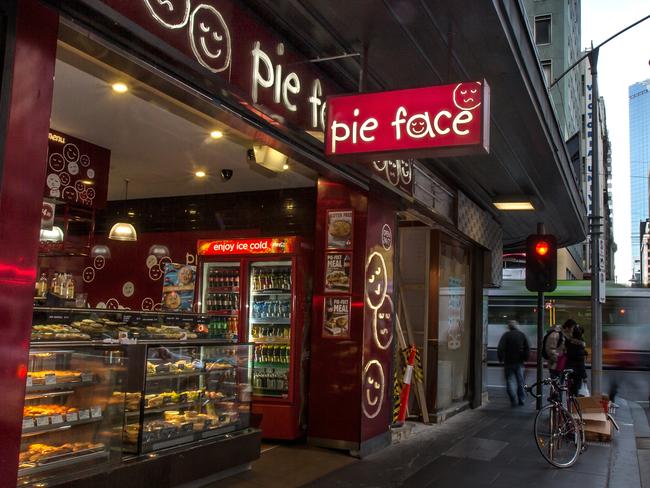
[
  {"x": 285, "y": 167},
  {"x": 200, "y": 174},
  {"x": 216, "y": 134},
  {"x": 523, "y": 205},
  {"x": 120, "y": 87}
]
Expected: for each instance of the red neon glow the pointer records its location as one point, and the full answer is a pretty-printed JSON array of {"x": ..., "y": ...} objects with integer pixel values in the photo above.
[
  {"x": 444, "y": 119},
  {"x": 265, "y": 245},
  {"x": 542, "y": 248}
]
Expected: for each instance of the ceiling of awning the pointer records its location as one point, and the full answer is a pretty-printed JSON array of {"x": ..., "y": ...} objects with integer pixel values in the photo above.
[{"x": 411, "y": 43}]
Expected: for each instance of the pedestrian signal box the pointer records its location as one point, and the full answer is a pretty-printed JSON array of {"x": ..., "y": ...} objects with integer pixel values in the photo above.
[{"x": 541, "y": 262}]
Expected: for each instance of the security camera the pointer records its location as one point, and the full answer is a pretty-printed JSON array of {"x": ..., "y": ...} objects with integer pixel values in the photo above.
[{"x": 226, "y": 174}]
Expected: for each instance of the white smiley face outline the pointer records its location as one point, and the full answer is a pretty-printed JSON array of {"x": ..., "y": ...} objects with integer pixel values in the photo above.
[
  {"x": 128, "y": 289},
  {"x": 405, "y": 172},
  {"x": 147, "y": 303},
  {"x": 369, "y": 382},
  {"x": 69, "y": 193},
  {"x": 71, "y": 152},
  {"x": 99, "y": 262},
  {"x": 379, "y": 275},
  {"x": 170, "y": 7},
  {"x": 56, "y": 161},
  {"x": 380, "y": 165},
  {"x": 84, "y": 160},
  {"x": 53, "y": 181},
  {"x": 205, "y": 29},
  {"x": 420, "y": 130},
  {"x": 90, "y": 173},
  {"x": 392, "y": 172},
  {"x": 383, "y": 337},
  {"x": 88, "y": 274},
  {"x": 65, "y": 178},
  {"x": 461, "y": 94}
]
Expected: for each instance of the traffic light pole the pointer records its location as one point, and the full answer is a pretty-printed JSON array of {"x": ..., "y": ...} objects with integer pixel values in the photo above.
[{"x": 540, "y": 340}]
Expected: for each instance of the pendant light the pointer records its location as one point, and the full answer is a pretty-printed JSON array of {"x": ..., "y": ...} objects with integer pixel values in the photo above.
[{"x": 123, "y": 231}]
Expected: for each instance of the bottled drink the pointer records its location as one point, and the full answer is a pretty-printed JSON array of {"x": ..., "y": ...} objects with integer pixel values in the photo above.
[
  {"x": 42, "y": 286},
  {"x": 236, "y": 281},
  {"x": 70, "y": 285}
]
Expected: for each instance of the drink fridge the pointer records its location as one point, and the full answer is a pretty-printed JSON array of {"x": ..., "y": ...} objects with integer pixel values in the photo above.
[{"x": 250, "y": 291}]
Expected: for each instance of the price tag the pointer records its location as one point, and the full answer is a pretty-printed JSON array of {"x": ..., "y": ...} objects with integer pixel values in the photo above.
[
  {"x": 29, "y": 381},
  {"x": 71, "y": 417},
  {"x": 50, "y": 379},
  {"x": 188, "y": 320},
  {"x": 149, "y": 319},
  {"x": 56, "y": 419},
  {"x": 86, "y": 377},
  {"x": 28, "y": 423},
  {"x": 58, "y": 317},
  {"x": 171, "y": 319},
  {"x": 42, "y": 421},
  {"x": 84, "y": 414},
  {"x": 96, "y": 412}
]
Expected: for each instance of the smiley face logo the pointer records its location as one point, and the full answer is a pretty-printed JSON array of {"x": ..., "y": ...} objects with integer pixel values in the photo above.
[
  {"x": 88, "y": 275},
  {"x": 79, "y": 186},
  {"x": 164, "y": 261},
  {"x": 73, "y": 168},
  {"x": 84, "y": 160},
  {"x": 90, "y": 173},
  {"x": 373, "y": 389},
  {"x": 70, "y": 194},
  {"x": 382, "y": 325},
  {"x": 55, "y": 193},
  {"x": 128, "y": 289},
  {"x": 405, "y": 171},
  {"x": 210, "y": 38},
  {"x": 151, "y": 261},
  {"x": 53, "y": 181},
  {"x": 71, "y": 153},
  {"x": 172, "y": 14},
  {"x": 392, "y": 172},
  {"x": 56, "y": 162},
  {"x": 65, "y": 178},
  {"x": 99, "y": 262},
  {"x": 376, "y": 280},
  {"x": 90, "y": 193},
  {"x": 467, "y": 96},
  {"x": 155, "y": 273},
  {"x": 147, "y": 304},
  {"x": 112, "y": 304},
  {"x": 379, "y": 165}
]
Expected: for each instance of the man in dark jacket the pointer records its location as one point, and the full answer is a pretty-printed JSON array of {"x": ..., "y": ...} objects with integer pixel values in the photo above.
[{"x": 513, "y": 352}]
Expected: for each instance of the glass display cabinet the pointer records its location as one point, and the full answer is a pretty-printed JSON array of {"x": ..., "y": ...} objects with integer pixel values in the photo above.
[{"x": 70, "y": 416}]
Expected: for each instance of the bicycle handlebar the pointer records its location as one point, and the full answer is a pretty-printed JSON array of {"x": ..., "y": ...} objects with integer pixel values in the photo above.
[{"x": 555, "y": 382}]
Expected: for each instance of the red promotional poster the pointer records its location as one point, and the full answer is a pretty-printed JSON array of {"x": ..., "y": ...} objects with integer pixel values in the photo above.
[
  {"x": 432, "y": 121},
  {"x": 77, "y": 171},
  {"x": 264, "y": 245}
]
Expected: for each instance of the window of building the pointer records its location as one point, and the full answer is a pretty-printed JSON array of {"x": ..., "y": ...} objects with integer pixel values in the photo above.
[
  {"x": 546, "y": 66},
  {"x": 543, "y": 29}
]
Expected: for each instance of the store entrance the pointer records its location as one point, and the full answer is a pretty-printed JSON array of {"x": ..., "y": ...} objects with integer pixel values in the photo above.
[{"x": 174, "y": 272}]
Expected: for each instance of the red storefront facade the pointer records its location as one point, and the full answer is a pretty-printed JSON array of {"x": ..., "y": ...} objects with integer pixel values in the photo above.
[{"x": 226, "y": 61}]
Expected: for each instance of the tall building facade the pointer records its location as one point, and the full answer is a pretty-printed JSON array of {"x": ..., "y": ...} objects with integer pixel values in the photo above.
[
  {"x": 555, "y": 28},
  {"x": 639, "y": 108}
]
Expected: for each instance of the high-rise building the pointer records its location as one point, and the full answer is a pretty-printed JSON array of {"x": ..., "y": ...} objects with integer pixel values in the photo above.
[
  {"x": 555, "y": 27},
  {"x": 639, "y": 105}
]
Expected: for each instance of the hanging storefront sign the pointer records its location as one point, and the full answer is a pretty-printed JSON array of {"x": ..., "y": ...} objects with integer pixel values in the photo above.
[
  {"x": 432, "y": 121},
  {"x": 266, "y": 245},
  {"x": 77, "y": 171}
]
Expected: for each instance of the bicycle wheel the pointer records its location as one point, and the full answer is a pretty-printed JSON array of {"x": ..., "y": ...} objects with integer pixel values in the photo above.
[
  {"x": 575, "y": 409},
  {"x": 557, "y": 436}
]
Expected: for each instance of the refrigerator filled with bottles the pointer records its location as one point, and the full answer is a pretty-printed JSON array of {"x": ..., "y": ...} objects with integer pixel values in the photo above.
[{"x": 251, "y": 288}]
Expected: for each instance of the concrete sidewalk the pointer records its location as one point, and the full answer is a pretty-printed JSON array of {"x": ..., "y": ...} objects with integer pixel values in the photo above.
[{"x": 492, "y": 446}]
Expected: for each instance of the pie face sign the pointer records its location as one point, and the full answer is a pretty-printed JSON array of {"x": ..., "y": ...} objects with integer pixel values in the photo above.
[
  {"x": 337, "y": 272},
  {"x": 336, "y": 319},
  {"x": 433, "y": 121}
]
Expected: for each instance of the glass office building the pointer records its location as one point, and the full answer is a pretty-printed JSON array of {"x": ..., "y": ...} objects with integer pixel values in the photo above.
[{"x": 639, "y": 94}]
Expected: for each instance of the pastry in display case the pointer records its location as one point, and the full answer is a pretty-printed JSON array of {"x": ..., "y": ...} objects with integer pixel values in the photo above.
[
  {"x": 191, "y": 393},
  {"x": 68, "y": 418}
]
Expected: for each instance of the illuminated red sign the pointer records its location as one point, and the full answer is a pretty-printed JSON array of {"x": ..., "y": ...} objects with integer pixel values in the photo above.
[
  {"x": 265, "y": 245},
  {"x": 433, "y": 121}
]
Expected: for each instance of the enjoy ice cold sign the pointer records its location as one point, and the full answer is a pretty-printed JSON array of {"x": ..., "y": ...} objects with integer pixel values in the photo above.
[{"x": 431, "y": 121}]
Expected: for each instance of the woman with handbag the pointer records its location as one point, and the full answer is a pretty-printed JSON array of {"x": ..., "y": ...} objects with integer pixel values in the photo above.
[{"x": 576, "y": 355}]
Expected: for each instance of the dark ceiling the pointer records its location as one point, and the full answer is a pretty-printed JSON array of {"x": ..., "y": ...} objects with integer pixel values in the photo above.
[{"x": 410, "y": 43}]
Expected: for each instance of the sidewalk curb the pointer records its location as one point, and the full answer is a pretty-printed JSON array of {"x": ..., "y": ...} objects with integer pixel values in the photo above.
[
  {"x": 642, "y": 438},
  {"x": 624, "y": 462}
]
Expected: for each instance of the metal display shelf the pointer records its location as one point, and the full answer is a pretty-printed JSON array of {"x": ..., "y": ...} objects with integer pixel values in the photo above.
[
  {"x": 152, "y": 377},
  {"x": 271, "y": 292},
  {"x": 56, "y": 427},
  {"x": 271, "y": 321},
  {"x": 64, "y": 460},
  {"x": 70, "y": 385}
]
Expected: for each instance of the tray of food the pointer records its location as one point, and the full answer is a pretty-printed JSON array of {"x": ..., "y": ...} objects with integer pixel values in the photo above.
[
  {"x": 48, "y": 456},
  {"x": 58, "y": 332}
]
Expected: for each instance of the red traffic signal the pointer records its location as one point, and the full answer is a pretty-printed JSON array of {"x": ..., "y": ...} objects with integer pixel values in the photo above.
[{"x": 541, "y": 262}]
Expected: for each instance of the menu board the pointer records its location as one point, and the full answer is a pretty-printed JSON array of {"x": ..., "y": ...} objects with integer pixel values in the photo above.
[
  {"x": 338, "y": 266},
  {"x": 336, "y": 317},
  {"x": 178, "y": 287},
  {"x": 339, "y": 229},
  {"x": 77, "y": 171}
]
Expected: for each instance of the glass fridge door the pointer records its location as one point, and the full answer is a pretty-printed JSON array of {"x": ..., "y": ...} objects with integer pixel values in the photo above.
[
  {"x": 220, "y": 299},
  {"x": 270, "y": 314}
]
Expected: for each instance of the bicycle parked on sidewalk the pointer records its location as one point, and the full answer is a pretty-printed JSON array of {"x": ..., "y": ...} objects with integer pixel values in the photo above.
[{"x": 559, "y": 429}]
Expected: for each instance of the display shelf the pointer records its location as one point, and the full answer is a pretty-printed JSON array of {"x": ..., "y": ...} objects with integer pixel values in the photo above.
[
  {"x": 261, "y": 340},
  {"x": 223, "y": 313},
  {"x": 153, "y": 377},
  {"x": 270, "y": 364},
  {"x": 271, "y": 321},
  {"x": 164, "y": 408},
  {"x": 58, "y": 386},
  {"x": 277, "y": 292},
  {"x": 187, "y": 437},
  {"x": 223, "y": 289},
  {"x": 64, "y": 460},
  {"x": 265, "y": 392},
  {"x": 58, "y": 427}
]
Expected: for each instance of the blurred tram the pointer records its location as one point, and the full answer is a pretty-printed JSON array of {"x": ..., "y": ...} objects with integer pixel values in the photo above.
[{"x": 625, "y": 319}]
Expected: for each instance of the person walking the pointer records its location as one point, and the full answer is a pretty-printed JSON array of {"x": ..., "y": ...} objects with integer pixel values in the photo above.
[
  {"x": 576, "y": 355},
  {"x": 554, "y": 351},
  {"x": 513, "y": 351}
]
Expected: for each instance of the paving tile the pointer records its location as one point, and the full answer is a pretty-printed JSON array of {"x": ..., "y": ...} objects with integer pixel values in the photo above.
[{"x": 476, "y": 448}]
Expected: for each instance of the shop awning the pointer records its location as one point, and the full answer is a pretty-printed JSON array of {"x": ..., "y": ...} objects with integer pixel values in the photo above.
[{"x": 418, "y": 43}]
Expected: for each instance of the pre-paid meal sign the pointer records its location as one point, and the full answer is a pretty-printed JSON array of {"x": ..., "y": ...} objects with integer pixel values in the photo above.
[{"x": 433, "y": 121}]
